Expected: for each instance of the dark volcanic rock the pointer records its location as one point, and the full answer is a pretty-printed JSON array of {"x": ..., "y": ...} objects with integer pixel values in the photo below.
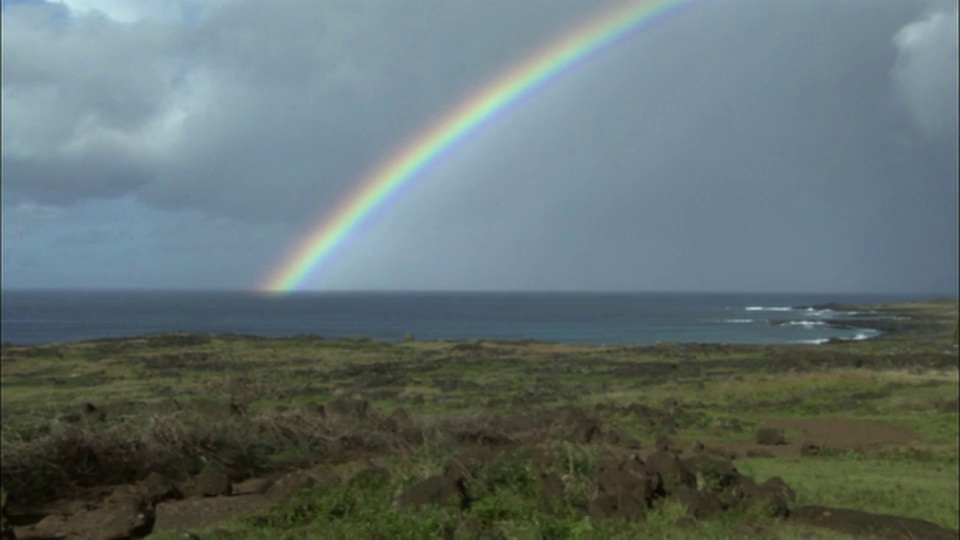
[
  {"x": 699, "y": 504},
  {"x": 626, "y": 490},
  {"x": 709, "y": 473},
  {"x": 212, "y": 482},
  {"x": 771, "y": 436},
  {"x": 436, "y": 489},
  {"x": 374, "y": 476},
  {"x": 349, "y": 408},
  {"x": 666, "y": 444},
  {"x": 157, "y": 487},
  {"x": 809, "y": 449},
  {"x": 6, "y": 531},
  {"x": 670, "y": 471},
  {"x": 774, "y": 494},
  {"x": 288, "y": 484},
  {"x": 483, "y": 437},
  {"x": 126, "y": 519}
]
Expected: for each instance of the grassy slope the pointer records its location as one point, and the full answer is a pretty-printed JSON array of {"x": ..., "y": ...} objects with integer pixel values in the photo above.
[{"x": 168, "y": 396}]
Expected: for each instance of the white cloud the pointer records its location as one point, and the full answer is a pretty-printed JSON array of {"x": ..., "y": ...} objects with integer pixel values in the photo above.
[
  {"x": 925, "y": 73},
  {"x": 135, "y": 11}
]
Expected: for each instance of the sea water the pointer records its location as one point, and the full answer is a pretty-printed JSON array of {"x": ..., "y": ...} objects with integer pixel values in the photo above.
[{"x": 30, "y": 317}]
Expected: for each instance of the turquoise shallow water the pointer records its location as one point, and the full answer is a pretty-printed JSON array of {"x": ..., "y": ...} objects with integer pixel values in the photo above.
[{"x": 588, "y": 318}]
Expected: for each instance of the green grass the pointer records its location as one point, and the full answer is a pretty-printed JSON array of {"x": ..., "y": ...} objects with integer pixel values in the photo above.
[
  {"x": 903, "y": 380},
  {"x": 923, "y": 489},
  {"x": 509, "y": 504}
]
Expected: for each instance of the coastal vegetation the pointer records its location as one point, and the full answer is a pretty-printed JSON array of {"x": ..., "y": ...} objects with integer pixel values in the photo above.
[{"x": 230, "y": 436}]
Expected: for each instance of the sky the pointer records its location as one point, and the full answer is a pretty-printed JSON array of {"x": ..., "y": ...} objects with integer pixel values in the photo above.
[{"x": 744, "y": 145}]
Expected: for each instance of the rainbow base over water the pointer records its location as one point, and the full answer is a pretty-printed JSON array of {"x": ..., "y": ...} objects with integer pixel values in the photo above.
[{"x": 479, "y": 109}]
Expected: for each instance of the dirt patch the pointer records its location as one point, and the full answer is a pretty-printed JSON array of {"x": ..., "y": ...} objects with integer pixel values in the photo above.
[
  {"x": 845, "y": 433},
  {"x": 867, "y": 525},
  {"x": 809, "y": 437},
  {"x": 197, "y": 513}
]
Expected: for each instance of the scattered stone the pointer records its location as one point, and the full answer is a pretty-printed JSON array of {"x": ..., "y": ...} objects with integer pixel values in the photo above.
[
  {"x": 252, "y": 486},
  {"x": 667, "y": 424},
  {"x": 6, "y": 530},
  {"x": 51, "y": 526},
  {"x": 552, "y": 485},
  {"x": 157, "y": 487},
  {"x": 588, "y": 431},
  {"x": 352, "y": 441},
  {"x": 316, "y": 409},
  {"x": 671, "y": 403},
  {"x": 202, "y": 513},
  {"x": 119, "y": 519},
  {"x": 809, "y": 449},
  {"x": 169, "y": 405},
  {"x": 632, "y": 444},
  {"x": 212, "y": 482},
  {"x": 483, "y": 437},
  {"x": 287, "y": 485},
  {"x": 626, "y": 489},
  {"x": 709, "y": 473},
  {"x": 401, "y": 417},
  {"x": 374, "y": 476},
  {"x": 669, "y": 470},
  {"x": 237, "y": 409},
  {"x": 947, "y": 405},
  {"x": 456, "y": 470},
  {"x": 771, "y": 436},
  {"x": 699, "y": 504},
  {"x": 436, "y": 489},
  {"x": 721, "y": 452},
  {"x": 697, "y": 448},
  {"x": 774, "y": 494},
  {"x": 665, "y": 444},
  {"x": 349, "y": 408},
  {"x": 127, "y": 519}
]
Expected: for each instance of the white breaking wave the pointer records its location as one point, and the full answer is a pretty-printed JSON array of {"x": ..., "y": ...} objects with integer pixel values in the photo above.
[
  {"x": 766, "y": 308},
  {"x": 738, "y": 321},
  {"x": 805, "y": 324},
  {"x": 819, "y": 341}
]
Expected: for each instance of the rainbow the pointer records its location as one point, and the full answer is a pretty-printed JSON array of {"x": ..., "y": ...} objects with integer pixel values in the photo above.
[{"x": 466, "y": 118}]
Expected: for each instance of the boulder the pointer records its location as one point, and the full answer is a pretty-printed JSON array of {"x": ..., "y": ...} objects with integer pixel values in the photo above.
[
  {"x": 669, "y": 470},
  {"x": 771, "y": 436},
  {"x": 212, "y": 482}
]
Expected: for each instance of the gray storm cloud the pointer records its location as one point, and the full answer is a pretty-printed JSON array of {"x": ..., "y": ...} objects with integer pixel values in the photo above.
[
  {"x": 743, "y": 145},
  {"x": 926, "y": 71},
  {"x": 255, "y": 110}
]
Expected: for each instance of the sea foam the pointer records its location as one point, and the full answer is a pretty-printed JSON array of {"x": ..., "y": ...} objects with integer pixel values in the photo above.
[
  {"x": 805, "y": 324},
  {"x": 819, "y": 341}
]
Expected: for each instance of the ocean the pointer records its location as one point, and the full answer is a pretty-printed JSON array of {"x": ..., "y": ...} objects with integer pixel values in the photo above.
[{"x": 32, "y": 317}]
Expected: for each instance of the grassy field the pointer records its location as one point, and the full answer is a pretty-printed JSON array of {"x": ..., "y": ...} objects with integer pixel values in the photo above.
[{"x": 304, "y": 437}]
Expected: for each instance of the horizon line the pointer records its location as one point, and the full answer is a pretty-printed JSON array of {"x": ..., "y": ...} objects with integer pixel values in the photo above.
[{"x": 946, "y": 294}]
